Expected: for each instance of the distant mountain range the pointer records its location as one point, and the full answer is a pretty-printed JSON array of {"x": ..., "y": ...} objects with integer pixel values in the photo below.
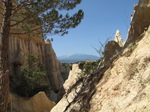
[{"x": 76, "y": 58}]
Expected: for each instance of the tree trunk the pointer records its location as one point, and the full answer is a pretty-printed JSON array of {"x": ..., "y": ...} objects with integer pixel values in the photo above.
[
  {"x": 4, "y": 37},
  {"x": 4, "y": 49}
]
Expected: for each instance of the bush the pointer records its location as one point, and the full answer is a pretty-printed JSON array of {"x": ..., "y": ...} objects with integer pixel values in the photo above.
[
  {"x": 33, "y": 78},
  {"x": 88, "y": 66}
]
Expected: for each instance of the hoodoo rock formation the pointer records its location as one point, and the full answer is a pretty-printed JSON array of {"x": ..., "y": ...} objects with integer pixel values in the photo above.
[
  {"x": 20, "y": 47},
  {"x": 118, "y": 38}
]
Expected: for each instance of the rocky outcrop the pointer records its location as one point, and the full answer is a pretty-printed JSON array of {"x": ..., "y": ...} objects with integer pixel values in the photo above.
[
  {"x": 140, "y": 20},
  {"x": 37, "y": 103},
  {"x": 111, "y": 48},
  {"x": 118, "y": 38},
  {"x": 74, "y": 75}
]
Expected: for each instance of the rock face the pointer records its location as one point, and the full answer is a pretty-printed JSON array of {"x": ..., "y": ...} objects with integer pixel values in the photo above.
[
  {"x": 73, "y": 76},
  {"x": 52, "y": 67},
  {"x": 72, "y": 79},
  {"x": 125, "y": 87},
  {"x": 20, "y": 46},
  {"x": 37, "y": 103},
  {"x": 140, "y": 20}
]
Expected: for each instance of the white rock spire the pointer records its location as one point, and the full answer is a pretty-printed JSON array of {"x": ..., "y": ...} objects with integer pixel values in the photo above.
[{"x": 118, "y": 38}]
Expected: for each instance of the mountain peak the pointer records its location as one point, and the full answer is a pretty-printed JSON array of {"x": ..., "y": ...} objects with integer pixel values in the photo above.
[{"x": 76, "y": 57}]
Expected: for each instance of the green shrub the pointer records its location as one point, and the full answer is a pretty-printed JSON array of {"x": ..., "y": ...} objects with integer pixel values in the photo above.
[
  {"x": 33, "y": 78},
  {"x": 88, "y": 66}
]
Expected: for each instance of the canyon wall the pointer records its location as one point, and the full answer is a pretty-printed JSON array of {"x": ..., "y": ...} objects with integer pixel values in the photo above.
[{"x": 21, "y": 46}]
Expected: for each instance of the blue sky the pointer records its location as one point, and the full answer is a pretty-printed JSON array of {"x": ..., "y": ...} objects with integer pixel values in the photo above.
[{"x": 101, "y": 20}]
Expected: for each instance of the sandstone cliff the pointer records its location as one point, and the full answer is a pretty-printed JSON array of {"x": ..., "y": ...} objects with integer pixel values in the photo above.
[
  {"x": 121, "y": 84},
  {"x": 20, "y": 46}
]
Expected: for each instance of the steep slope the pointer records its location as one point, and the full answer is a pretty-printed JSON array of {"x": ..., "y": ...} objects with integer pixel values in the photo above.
[
  {"x": 125, "y": 87},
  {"x": 122, "y": 84}
]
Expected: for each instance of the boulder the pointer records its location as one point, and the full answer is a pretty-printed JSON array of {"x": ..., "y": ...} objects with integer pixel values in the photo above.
[
  {"x": 37, "y": 103},
  {"x": 111, "y": 48}
]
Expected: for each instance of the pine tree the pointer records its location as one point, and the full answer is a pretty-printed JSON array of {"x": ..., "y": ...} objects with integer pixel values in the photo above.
[{"x": 34, "y": 17}]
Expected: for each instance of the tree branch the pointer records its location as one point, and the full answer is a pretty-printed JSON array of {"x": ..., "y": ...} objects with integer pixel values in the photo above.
[
  {"x": 30, "y": 31},
  {"x": 20, "y": 6},
  {"x": 29, "y": 17}
]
